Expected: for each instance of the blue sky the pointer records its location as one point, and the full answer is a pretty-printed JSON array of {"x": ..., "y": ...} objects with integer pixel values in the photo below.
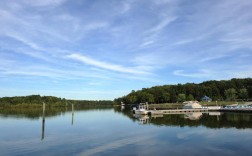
[{"x": 103, "y": 49}]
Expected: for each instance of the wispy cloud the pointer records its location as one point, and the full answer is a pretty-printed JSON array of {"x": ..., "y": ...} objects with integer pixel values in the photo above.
[
  {"x": 60, "y": 73},
  {"x": 126, "y": 6},
  {"x": 94, "y": 26},
  {"x": 162, "y": 2},
  {"x": 223, "y": 72},
  {"x": 211, "y": 58},
  {"x": 190, "y": 40},
  {"x": 26, "y": 42},
  {"x": 147, "y": 42},
  {"x": 43, "y": 3},
  {"x": 162, "y": 24},
  {"x": 152, "y": 34},
  {"x": 200, "y": 74},
  {"x": 105, "y": 65}
]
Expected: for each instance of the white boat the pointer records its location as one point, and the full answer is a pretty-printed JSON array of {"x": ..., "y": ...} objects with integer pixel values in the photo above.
[
  {"x": 142, "y": 109},
  {"x": 191, "y": 105}
]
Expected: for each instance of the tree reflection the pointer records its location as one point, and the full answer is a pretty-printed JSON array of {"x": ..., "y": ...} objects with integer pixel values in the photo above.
[{"x": 207, "y": 119}]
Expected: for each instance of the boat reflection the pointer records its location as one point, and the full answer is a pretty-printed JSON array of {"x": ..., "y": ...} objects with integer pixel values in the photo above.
[
  {"x": 193, "y": 115},
  {"x": 142, "y": 119},
  {"x": 146, "y": 119},
  {"x": 193, "y": 118},
  {"x": 198, "y": 115},
  {"x": 122, "y": 107}
]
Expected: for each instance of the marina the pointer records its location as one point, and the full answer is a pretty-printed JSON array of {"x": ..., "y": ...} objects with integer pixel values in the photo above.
[{"x": 191, "y": 106}]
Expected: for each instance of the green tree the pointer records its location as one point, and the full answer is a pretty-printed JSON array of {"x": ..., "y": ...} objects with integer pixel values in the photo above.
[
  {"x": 243, "y": 93},
  {"x": 231, "y": 94},
  {"x": 190, "y": 97},
  {"x": 173, "y": 95},
  {"x": 131, "y": 99},
  {"x": 181, "y": 97},
  {"x": 214, "y": 89},
  {"x": 146, "y": 97},
  {"x": 166, "y": 97}
]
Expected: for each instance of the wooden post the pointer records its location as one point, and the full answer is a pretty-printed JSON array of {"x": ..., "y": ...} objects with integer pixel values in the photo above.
[
  {"x": 72, "y": 114},
  {"x": 43, "y": 122}
]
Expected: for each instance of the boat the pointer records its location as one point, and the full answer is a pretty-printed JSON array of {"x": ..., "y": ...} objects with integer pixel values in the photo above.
[
  {"x": 142, "y": 109},
  {"x": 191, "y": 105}
]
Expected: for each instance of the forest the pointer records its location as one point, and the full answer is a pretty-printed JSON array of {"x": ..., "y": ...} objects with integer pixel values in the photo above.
[
  {"x": 223, "y": 90},
  {"x": 51, "y": 101}
]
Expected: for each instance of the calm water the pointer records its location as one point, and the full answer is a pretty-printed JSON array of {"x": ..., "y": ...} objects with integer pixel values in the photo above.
[{"x": 114, "y": 132}]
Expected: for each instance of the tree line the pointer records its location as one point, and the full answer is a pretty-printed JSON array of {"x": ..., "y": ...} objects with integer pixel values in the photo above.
[
  {"x": 37, "y": 100},
  {"x": 231, "y": 90}
]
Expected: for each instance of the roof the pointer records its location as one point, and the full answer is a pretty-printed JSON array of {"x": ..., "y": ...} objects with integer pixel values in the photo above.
[{"x": 206, "y": 98}]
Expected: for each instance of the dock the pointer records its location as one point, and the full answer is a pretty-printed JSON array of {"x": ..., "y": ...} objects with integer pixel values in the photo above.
[
  {"x": 179, "y": 111},
  {"x": 175, "y": 111},
  {"x": 193, "y": 106},
  {"x": 238, "y": 110}
]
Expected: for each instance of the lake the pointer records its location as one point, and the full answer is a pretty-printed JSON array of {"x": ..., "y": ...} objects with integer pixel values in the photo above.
[{"x": 112, "y": 131}]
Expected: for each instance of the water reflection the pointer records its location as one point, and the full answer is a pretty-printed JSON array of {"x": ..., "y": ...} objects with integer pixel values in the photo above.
[
  {"x": 72, "y": 114},
  {"x": 43, "y": 122},
  {"x": 108, "y": 131},
  {"x": 122, "y": 107},
  {"x": 36, "y": 113},
  {"x": 146, "y": 119},
  {"x": 142, "y": 119},
  {"x": 195, "y": 119},
  {"x": 209, "y": 119},
  {"x": 193, "y": 115}
]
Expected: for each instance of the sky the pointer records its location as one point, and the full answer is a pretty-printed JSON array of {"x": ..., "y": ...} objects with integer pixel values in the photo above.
[{"x": 104, "y": 49}]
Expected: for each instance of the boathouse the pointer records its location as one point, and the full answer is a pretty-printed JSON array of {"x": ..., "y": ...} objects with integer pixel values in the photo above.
[{"x": 206, "y": 99}]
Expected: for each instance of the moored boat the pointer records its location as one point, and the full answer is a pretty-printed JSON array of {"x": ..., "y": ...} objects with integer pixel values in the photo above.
[
  {"x": 191, "y": 105},
  {"x": 142, "y": 109}
]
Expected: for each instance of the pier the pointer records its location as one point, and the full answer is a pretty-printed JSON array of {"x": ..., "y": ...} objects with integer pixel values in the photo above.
[
  {"x": 238, "y": 110},
  {"x": 179, "y": 111},
  {"x": 176, "y": 111}
]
